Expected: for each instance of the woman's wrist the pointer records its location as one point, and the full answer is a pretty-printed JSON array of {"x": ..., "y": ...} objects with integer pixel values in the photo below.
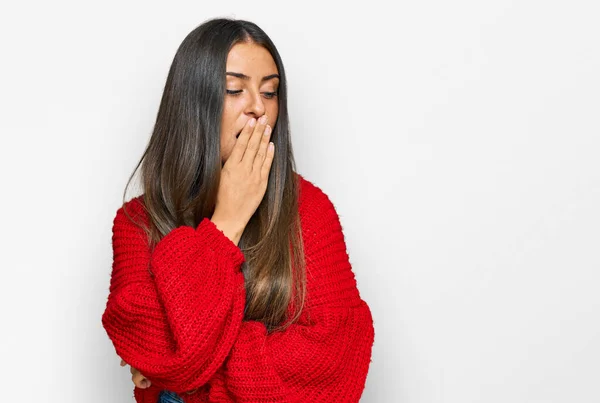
[{"x": 230, "y": 229}]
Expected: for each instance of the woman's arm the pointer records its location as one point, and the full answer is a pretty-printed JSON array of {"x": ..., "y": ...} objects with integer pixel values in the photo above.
[
  {"x": 323, "y": 358},
  {"x": 174, "y": 313}
]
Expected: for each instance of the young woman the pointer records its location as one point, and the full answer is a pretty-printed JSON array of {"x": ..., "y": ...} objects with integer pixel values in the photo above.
[{"x": 230, "y": 280}]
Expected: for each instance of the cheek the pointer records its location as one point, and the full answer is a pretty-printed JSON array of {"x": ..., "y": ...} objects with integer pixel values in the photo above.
[
  {"x": 228, "y": 122},
  {"x": 273, "y": 111},
  {"x": 227, "y": 144},
  {"x": 226, "y": 117},
  {"x": 230, "y": 110}
]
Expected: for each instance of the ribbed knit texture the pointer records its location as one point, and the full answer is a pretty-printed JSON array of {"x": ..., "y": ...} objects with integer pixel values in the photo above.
[{"x": 176, "y": 315}]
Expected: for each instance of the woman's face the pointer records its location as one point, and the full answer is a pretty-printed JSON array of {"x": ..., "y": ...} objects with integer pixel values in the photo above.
[{"x": 252, "y": 84}]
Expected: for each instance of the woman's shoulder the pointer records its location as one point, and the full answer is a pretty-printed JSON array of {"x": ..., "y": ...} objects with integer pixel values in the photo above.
[
  {"x": 313, "y": 201},
  {"x": 133, "y": 208},
  {"x": 309, "y": 191},
  {"x": 135, "y": 205}
]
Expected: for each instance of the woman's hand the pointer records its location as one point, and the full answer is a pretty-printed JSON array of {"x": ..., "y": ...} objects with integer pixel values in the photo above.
[
  {"x": 138, "y": 379},
  {"x": 245, "y": 175}
]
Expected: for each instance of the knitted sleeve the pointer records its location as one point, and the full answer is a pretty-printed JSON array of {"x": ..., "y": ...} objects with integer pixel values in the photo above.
[
  {"x": 174, "y": 313},
  {"x": 323, "y": 358}
]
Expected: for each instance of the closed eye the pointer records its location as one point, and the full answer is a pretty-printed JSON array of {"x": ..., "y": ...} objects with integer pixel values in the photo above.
[{"x": 269, "y": 95}]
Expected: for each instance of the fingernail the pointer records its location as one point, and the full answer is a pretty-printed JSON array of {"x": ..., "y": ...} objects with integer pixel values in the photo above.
[
  {"x": 252, "y": 122},
  {"x": 263, "y": 119},
  {"x": 267, "y": 131}
]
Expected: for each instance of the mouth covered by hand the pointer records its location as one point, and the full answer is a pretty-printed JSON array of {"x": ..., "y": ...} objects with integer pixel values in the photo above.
[{"x": 238, "y": 133}]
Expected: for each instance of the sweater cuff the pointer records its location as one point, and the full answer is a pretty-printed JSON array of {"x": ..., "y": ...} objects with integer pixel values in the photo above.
[{"x": 219, "y": 242}]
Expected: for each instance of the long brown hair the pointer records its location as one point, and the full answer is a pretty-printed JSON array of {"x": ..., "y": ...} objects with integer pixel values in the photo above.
[{"x": 181, "y": 168}]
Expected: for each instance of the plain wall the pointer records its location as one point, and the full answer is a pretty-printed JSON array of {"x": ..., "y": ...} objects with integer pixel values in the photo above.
[{"x": 459, "y": 142}]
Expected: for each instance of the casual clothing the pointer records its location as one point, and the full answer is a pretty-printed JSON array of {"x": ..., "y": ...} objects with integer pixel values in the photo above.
[{"x": 176, "y": 315}]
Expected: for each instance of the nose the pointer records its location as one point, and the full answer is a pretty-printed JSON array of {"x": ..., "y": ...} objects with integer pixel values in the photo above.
[{"x": 255, "y": 105}]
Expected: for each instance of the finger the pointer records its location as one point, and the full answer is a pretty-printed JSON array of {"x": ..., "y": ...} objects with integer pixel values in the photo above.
[
  {"x": 242, "y": 141},
  {"x": 123, "y": 363},
  {"x": 140, "y": 380},
  {"x": 254, "y": 142},
  {"x": 262, "y": 150},
  {"x": 266, "y": 168}
]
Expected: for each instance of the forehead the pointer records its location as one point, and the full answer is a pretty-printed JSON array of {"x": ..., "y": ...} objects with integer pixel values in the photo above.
[{"x": 250, "y": 59}]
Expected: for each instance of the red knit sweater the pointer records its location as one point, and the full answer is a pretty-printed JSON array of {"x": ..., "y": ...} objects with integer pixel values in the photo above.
[{"x": 176, "y": 315}]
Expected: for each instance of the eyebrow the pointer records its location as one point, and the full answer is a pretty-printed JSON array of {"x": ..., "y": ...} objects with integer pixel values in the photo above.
[{"x": 245, "y": 77}]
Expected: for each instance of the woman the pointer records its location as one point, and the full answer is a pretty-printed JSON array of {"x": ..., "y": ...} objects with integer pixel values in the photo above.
[{"x": 230, "y": 278}]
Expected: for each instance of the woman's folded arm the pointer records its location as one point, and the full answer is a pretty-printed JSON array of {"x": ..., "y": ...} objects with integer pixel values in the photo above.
[
  {"x": 327, "y": 361},
  {"x": 325, "y": 356},
  {"x": 174, "y": 313}
]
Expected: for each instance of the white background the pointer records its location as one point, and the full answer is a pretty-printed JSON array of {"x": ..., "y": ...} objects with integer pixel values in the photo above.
[{"x": 459, "y": 142}]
